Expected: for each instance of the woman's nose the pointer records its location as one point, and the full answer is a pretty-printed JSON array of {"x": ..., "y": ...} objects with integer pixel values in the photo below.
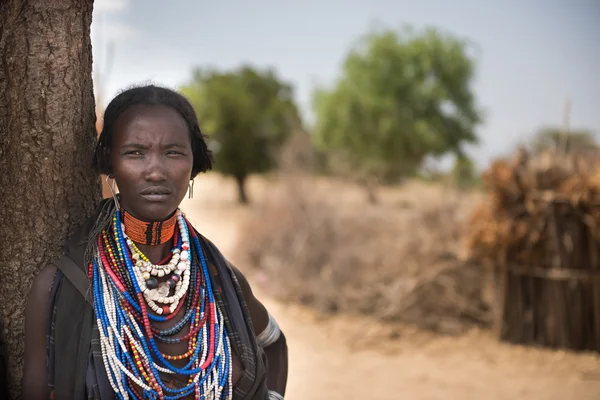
[{"x": 155, "y": 170}]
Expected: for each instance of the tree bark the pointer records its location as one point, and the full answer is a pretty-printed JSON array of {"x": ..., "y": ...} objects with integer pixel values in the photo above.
[
  {"x": 241, "y": 185},
  {"x": 46, "y": 142}
]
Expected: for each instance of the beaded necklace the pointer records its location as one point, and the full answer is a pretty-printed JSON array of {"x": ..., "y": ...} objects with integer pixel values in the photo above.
[
  {"x": 125, "y": 284},
  {"x": 151, "y": 233}
]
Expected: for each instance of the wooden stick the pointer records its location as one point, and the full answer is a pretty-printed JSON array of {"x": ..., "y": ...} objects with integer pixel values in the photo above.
[{"x": 564, "y": 142}]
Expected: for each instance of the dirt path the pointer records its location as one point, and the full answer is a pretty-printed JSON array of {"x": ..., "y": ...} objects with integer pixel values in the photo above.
[{"x": 346, "y": 358}]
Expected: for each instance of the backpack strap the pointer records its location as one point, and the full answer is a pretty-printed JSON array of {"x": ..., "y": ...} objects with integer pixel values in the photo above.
[{"x": 76, "y": 276}]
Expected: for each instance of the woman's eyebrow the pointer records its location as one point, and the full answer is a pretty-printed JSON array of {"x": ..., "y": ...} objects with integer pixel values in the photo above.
[
  {"x": 134, "y": 145},
  {"x": 175, "y": 145},
  {"x": 141, "y": 146}
]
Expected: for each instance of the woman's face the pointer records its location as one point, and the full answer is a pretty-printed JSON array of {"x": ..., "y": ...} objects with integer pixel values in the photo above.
[{"x": 151, "y": 160}]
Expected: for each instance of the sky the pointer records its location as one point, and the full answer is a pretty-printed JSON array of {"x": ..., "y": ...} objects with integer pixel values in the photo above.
[{"x": 532, "y": 55}]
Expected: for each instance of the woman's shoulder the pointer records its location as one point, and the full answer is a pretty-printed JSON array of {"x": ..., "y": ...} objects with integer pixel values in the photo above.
[
  {"x": 39, "y": 293},
  {"x": 45, "y": 275}
]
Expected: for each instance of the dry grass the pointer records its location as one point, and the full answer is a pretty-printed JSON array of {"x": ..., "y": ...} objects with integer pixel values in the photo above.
[{"x": 318, "y": 242}]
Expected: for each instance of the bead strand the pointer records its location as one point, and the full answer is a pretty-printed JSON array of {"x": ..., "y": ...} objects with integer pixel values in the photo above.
[{"x": 128, "y": 338}]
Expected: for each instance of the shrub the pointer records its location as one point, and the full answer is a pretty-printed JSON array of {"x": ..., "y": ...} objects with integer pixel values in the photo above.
[{"x": 319, "y": 244}]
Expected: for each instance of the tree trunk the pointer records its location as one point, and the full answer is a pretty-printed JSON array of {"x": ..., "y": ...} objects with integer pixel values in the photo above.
[
  {"x": 46, "y": 142},
  {"x": 372, "y": 197},
  {"x": 371, "y": 188},
  {"x": 241, "y": 184}
]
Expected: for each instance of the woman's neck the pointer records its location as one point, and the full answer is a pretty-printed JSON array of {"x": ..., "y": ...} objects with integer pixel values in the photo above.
[
  {"x": 149, "y": 232},
  {"x": 154, "y": 239}
]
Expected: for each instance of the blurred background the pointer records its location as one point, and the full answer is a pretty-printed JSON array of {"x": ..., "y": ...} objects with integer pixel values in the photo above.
[{"x": 412, "y": 189}]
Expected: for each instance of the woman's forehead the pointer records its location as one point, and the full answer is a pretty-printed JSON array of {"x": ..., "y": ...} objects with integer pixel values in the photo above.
[{"x": 149, "y": 122}]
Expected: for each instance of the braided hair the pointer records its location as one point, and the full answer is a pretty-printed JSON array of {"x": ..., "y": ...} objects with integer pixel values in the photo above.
[{"x": 149, "y": 95}]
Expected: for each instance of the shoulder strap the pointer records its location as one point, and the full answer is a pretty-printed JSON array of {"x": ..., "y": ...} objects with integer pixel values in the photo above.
[{"x": 76, "y": 276}]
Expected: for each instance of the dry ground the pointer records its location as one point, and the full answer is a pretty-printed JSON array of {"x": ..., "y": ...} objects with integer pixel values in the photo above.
[{"x": 352, "y": 358}]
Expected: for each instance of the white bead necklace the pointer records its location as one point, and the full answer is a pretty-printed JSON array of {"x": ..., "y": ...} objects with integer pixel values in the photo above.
[{"x": 180, "y": 264}]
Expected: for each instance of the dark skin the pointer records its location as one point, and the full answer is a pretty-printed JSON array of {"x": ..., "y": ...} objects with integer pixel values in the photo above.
[{"x": 152, "y": 162}]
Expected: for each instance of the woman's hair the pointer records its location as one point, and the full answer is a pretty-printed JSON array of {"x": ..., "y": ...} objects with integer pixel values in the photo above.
[{"x": 150, "y": 95}]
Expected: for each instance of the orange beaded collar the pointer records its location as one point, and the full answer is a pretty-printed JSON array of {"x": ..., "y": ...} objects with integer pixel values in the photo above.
[{"x": 151, "y": 233}]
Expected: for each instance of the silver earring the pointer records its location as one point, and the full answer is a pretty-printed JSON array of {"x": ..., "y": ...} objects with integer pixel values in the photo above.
[
  {"x": 191, "y": 189},
  {"x": 112, "y": 190}
]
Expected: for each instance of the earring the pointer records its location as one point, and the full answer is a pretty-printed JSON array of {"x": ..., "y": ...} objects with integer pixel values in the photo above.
[
  {"x": 112, "y": 190},
  {"x": 191, "y": 189}
]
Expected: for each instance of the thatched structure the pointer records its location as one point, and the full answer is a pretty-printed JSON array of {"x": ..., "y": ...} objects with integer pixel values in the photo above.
[{"x": 538, "y": 229}]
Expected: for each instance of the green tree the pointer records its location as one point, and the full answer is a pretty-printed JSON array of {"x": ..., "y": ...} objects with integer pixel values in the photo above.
[
  {"x": 401, "y": 96},
  {"x": 555, "y": 138},
  {"x": 247, "y": 114}
]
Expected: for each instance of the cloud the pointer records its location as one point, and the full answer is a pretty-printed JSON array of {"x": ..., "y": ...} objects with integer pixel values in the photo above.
[
  {"x": 118, "y": 31},
  {"x": 106, "y": 31},
  {"x": 106, "y": 25},
  {"x": 111, "y": 6}
]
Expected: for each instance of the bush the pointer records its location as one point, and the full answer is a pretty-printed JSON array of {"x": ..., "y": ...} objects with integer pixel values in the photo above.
[{"x": 320, "y": 244}]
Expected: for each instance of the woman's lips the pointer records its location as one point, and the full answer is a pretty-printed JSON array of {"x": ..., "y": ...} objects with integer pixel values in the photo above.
[
  {"x": 157, "y": 197},
  {"x": 156, "y": 194}
]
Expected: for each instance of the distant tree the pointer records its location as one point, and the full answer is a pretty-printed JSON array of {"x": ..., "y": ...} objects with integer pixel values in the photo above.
[
  {"x": 248, "y": 114},
  {"x": 401, "y": 96},
  {"x": 464, "y": 173},
  {"x": 552, "y": 138}
]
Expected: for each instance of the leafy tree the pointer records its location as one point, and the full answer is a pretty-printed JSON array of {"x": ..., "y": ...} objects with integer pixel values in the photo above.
[
  {"x": 555, "y": 138},
  {"x": 248, "y": 114},
  {"x": 401, "y": 96}
]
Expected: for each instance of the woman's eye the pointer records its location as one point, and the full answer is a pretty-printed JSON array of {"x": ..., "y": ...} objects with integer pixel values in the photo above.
[{"x": 172, "y": 152}]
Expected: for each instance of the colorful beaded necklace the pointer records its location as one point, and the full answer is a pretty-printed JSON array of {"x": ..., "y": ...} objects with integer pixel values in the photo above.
[{"x": 125, "y": 284}]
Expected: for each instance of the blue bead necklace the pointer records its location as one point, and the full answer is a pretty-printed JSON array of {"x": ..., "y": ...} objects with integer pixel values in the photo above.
[{"x": 132, "y": 359}]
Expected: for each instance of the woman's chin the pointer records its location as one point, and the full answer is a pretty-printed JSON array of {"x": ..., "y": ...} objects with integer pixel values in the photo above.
[{"x": 153, "y": 211}]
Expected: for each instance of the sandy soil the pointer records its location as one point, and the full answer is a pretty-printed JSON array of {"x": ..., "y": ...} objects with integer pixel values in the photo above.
[{"x": 353, "y": 358}]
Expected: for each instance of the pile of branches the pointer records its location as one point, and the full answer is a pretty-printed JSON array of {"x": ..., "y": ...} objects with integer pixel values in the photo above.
[
  {"x": 391, "y": 262},
  {"x": 538, "y": 229}
]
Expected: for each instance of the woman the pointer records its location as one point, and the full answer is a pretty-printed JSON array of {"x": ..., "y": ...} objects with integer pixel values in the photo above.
[{"x": 141, "y": 305}]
